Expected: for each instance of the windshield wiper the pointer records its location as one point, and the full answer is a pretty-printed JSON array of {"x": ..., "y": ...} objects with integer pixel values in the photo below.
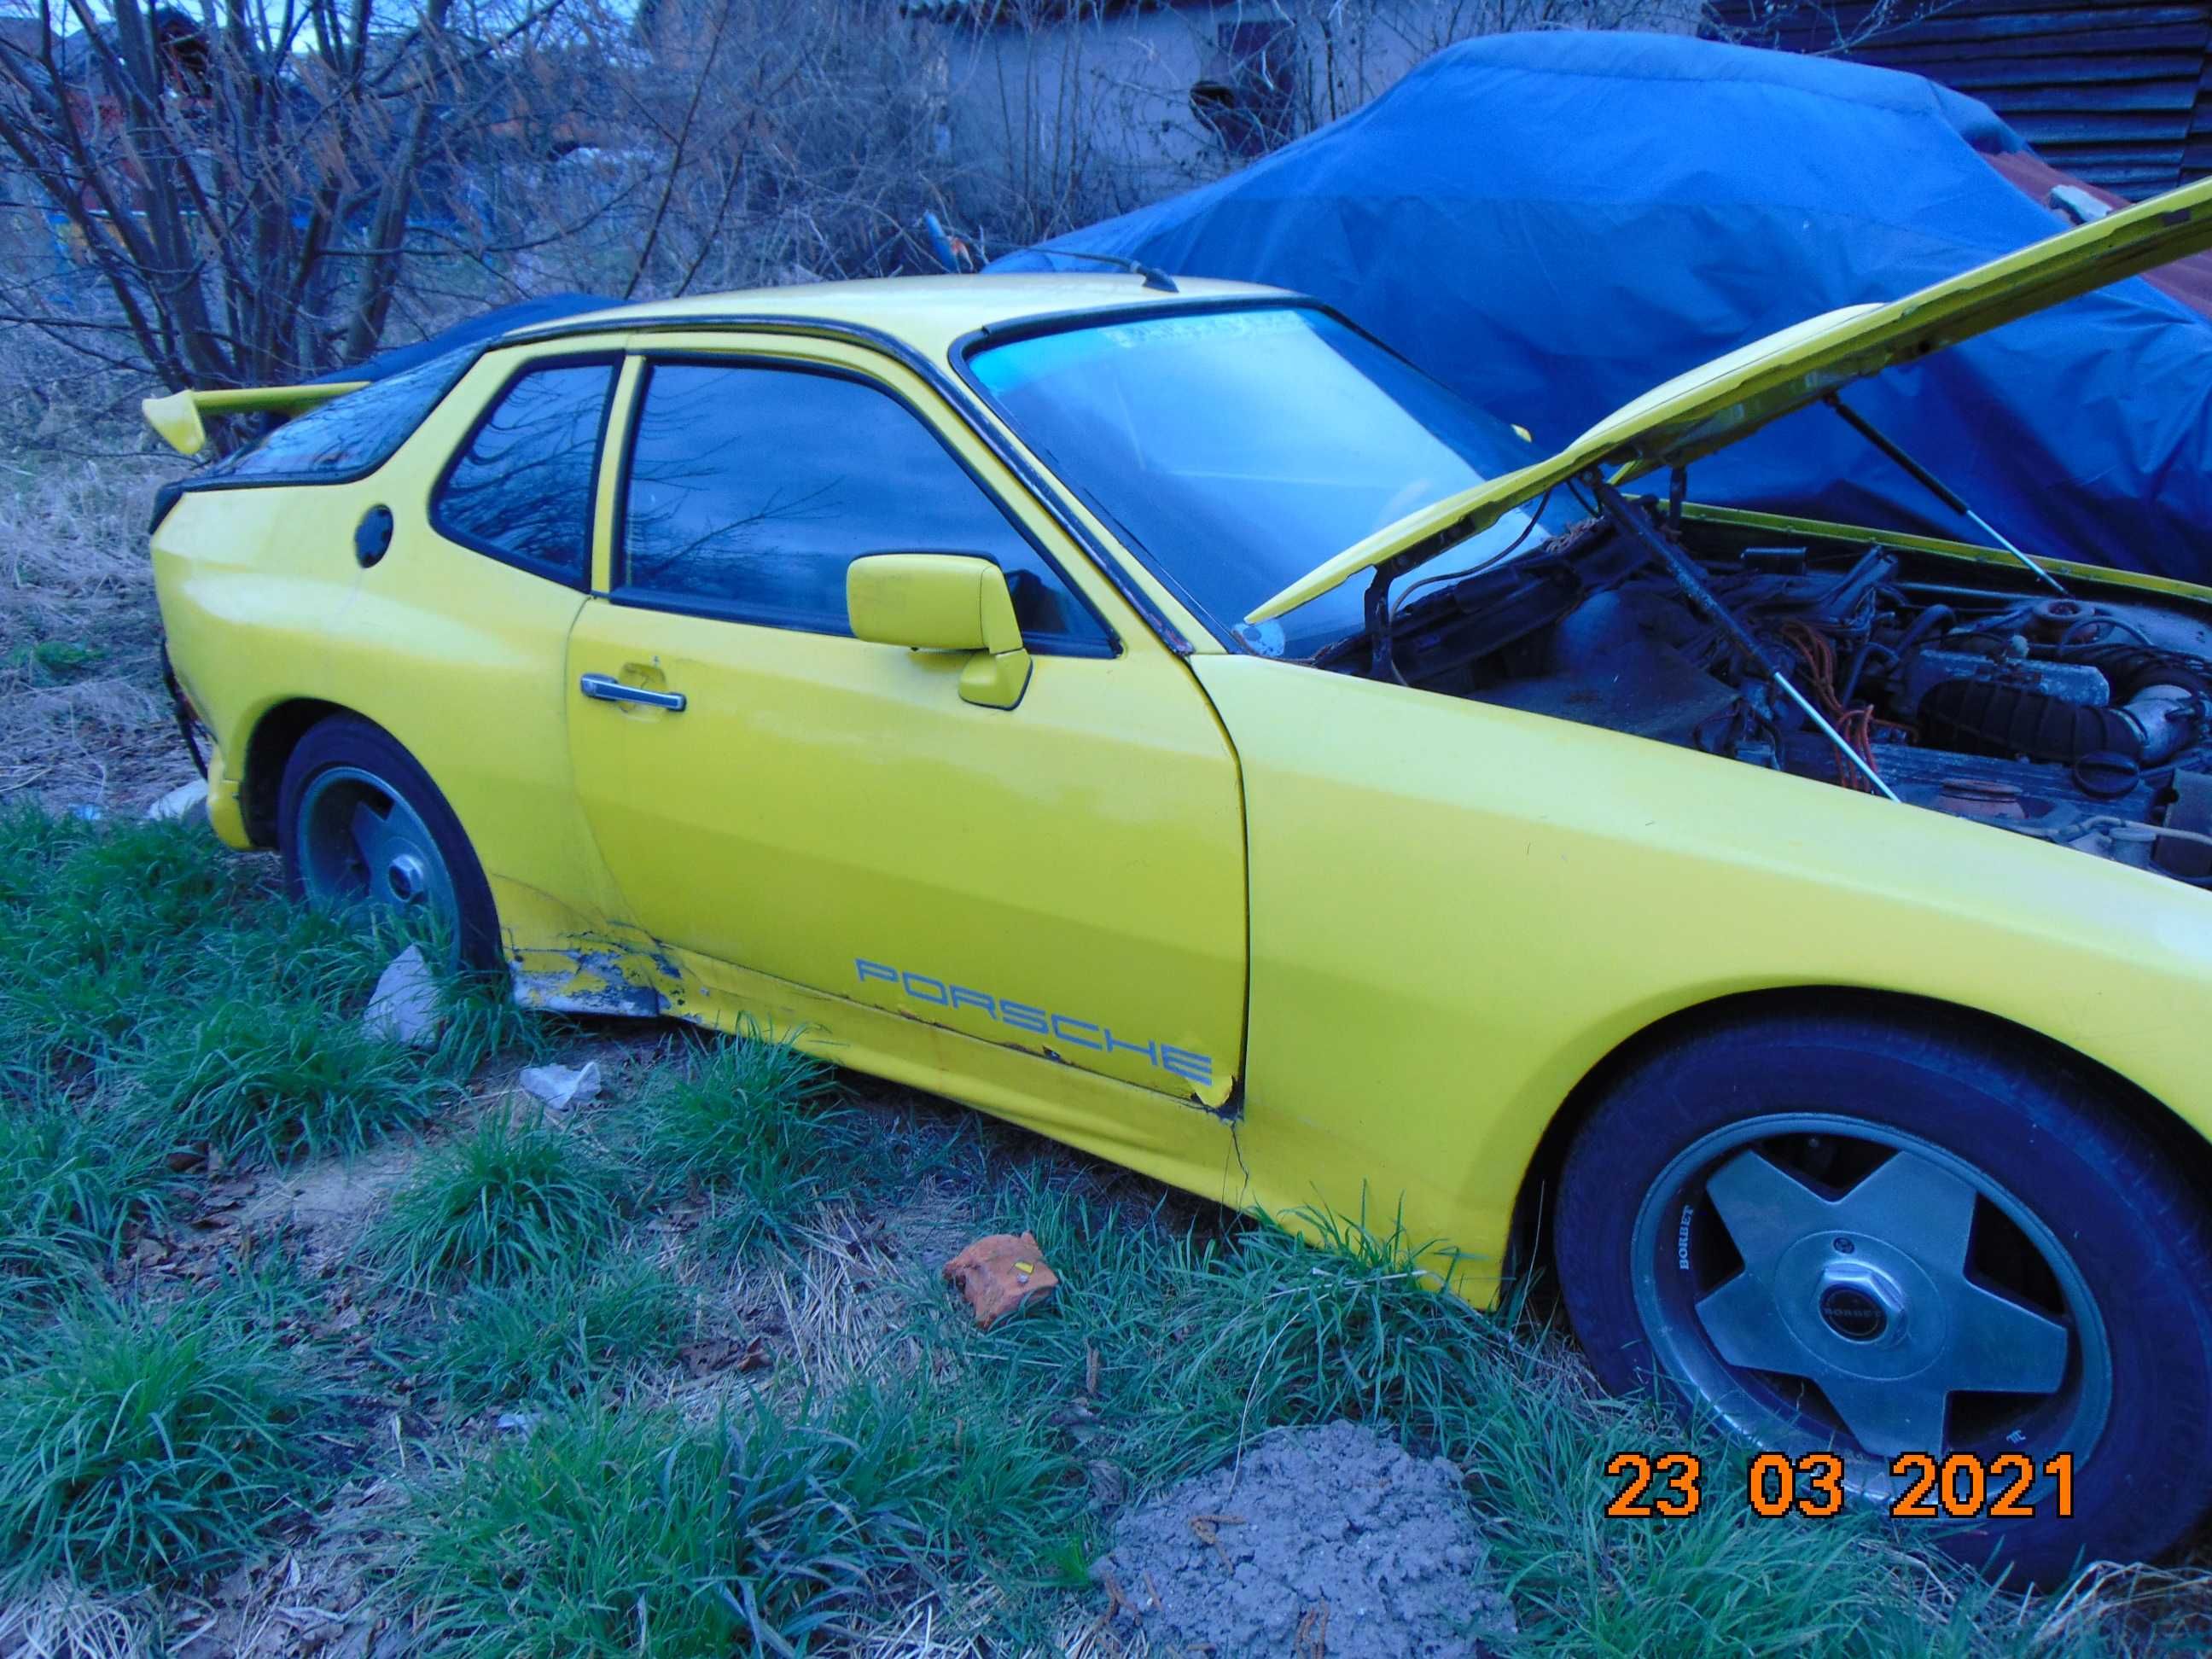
[{"x": 1393, "y": 611}]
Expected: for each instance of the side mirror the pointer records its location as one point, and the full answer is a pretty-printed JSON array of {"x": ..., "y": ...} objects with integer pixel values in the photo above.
[{"x": 943, "y": 602}]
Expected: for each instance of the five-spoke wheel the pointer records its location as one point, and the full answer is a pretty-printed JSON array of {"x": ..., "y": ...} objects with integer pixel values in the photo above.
[
  {"x": 361, "y": 843},
  {"x": 1847, "y": 1225},
  {"x": 1823, "y": 1280}
]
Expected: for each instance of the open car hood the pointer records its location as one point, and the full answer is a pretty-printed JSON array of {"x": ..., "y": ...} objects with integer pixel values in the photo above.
[{"x": 1711, "y": 406}]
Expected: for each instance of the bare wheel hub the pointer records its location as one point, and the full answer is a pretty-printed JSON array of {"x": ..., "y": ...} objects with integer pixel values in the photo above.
[
  {"x": 407, "y": 879},
  {"x": 360, "y": 844}
]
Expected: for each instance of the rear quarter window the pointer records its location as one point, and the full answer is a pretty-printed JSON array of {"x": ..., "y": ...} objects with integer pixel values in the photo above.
[
  {"x": 520, "y": 489},
  {"x": 349, "y": 436}
]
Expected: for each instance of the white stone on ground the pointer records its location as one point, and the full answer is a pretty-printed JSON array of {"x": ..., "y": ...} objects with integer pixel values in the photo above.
[
  {"x": 405, "y": 1005},
  {"x": 180, "y": 802}
]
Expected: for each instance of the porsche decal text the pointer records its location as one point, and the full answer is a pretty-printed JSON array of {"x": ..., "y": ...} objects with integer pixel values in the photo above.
[{"x": 1038, "y": 1022}]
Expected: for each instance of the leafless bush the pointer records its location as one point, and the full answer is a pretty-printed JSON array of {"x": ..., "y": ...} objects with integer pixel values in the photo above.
[
  {"x": 233, "y": 197},
  {"x": 1829, "y": 28},
  {"x": 1064, "y": 112},
  {"x": 242, "y": 194},
  {"x": 807, "y": 143},
  {"x": 259, "y": 193}
]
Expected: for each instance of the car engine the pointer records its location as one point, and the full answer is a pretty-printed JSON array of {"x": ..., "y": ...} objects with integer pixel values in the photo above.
[{"x": 2084, "y": 720}]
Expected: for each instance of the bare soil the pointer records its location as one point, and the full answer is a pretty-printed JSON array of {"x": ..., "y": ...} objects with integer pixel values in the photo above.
[{"x": 1317, "y": 1540}]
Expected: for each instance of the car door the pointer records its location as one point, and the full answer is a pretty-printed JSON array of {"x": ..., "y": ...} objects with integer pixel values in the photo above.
[{"x": 1065, "y": 876}]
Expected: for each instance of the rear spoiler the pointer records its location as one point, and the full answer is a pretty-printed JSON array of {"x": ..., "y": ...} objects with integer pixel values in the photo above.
[{"x": 180, "y": 418}]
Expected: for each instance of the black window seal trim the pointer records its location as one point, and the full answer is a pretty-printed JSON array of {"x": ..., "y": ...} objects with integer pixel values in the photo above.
[
  {"x": 1047, "y": 494},
  {"x": 607, "y": 357},
  {"x": 1064, "y": 322},
  {"x": 620, "y": 592},
  {"x": 199, "y": 486}
]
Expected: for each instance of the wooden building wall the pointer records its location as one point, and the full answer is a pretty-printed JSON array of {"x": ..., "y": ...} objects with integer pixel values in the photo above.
[{"x": 2119, "y": 94}]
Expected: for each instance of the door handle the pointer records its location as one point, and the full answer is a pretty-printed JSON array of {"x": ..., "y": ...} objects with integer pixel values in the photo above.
[{"x": 605, "y": 688}]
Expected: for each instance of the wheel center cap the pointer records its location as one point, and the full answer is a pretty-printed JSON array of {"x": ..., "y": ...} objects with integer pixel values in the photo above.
[
  {"x": 1852, "y": 1313},
  {"x": 1863, "y": 1302},
  {"x": 408, "y": 879},
  {"x": 1871, "y": 1311}
]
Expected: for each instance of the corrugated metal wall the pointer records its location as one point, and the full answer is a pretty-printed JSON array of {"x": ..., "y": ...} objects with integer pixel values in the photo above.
[{"x": 2119, "y": 94}]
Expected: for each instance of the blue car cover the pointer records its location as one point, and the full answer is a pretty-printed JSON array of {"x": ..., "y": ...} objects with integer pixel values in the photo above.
[{"x": 1552, "y": 223}]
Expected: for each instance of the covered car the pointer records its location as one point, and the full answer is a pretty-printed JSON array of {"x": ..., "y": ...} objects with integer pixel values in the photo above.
[{"x": 1552, "y": 223}]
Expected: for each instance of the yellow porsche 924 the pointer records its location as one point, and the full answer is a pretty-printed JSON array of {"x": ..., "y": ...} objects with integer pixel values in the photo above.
[{"x": 1153, "y": 712}]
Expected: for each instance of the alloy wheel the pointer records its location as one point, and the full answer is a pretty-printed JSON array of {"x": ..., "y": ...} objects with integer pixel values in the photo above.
[{"x": 1822, "y": 1282}]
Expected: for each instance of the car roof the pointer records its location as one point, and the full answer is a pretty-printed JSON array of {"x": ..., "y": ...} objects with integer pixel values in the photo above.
[{"x": 928, "y": 313}]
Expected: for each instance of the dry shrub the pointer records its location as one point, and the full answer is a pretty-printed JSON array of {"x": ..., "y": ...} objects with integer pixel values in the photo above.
[
  {"x": 678, "y": 146},
  {"x": 80, "y": 656}
]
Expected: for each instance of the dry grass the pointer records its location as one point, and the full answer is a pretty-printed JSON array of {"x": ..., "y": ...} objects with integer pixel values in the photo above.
[
  {"x": 88, "y": 723},
  {"x": 63, "y": 1621}
]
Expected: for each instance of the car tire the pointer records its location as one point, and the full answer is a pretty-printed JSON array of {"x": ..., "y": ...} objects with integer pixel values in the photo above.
[
  {"x": 1827, "y": 1259},
  {"x": 414, "y": 853}
]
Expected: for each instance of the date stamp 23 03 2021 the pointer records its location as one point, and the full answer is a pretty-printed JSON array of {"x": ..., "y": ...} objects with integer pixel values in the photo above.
[{"x": 1671, "y": 1486}]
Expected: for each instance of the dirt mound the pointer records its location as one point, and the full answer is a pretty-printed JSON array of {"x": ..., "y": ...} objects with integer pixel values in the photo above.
[{"x": 1321, "y": 1542}]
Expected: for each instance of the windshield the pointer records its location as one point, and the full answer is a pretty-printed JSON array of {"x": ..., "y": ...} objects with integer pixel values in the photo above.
[{"x": 1235, "y": 450}]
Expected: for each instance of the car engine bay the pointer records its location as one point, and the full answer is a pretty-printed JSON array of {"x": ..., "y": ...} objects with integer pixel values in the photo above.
[{"x": 2084, "y": 720}]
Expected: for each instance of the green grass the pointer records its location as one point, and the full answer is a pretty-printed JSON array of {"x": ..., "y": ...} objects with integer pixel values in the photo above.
[
  {"x": 511, "y": 1197},
  {"x": 614, "y": 1529},
  {"x": 155, "y": 990},
  {"x": 69, "y": 1185},
  {"x": 1203, "y": 1344},
  {"x": 104, "y": 931},
  {"x": 557, "y": 1332},
  {"x": 265, "y": 1081},
  {"x": 756, "y": 1125},
  {"x": 55, "y": 661},
  {"x": 634, "y": 1531},
  {"x": 139, "y": 1445},
  {"x": 148, "y": 965}
]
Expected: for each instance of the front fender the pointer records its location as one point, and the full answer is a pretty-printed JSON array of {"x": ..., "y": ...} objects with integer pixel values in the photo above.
[{"x": 1459, "y": 910}]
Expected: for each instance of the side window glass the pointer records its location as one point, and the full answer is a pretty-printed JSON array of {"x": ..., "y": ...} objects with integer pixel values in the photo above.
[
  {"x": 521, "y": 487},
  {"x": 752, "y": 487}
]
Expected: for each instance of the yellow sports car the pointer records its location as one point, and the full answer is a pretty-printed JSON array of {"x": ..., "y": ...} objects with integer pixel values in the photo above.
[{"x": 1153, "y": 712}]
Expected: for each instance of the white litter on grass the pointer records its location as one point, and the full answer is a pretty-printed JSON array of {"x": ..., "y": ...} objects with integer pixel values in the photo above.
[
  {"x": 405, "y": 1005},
  {"x": 180, "y": 802},
  {"x": 561, "y": 1087}
]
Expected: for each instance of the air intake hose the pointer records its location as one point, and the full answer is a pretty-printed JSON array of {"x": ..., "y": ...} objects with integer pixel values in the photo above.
[{"x": 2165, "y": 697}]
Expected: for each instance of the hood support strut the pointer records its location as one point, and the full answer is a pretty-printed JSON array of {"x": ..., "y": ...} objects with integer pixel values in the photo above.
[
  {"x": 1934, "y": 485},
  {"x": 1639, "y": 529}
]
